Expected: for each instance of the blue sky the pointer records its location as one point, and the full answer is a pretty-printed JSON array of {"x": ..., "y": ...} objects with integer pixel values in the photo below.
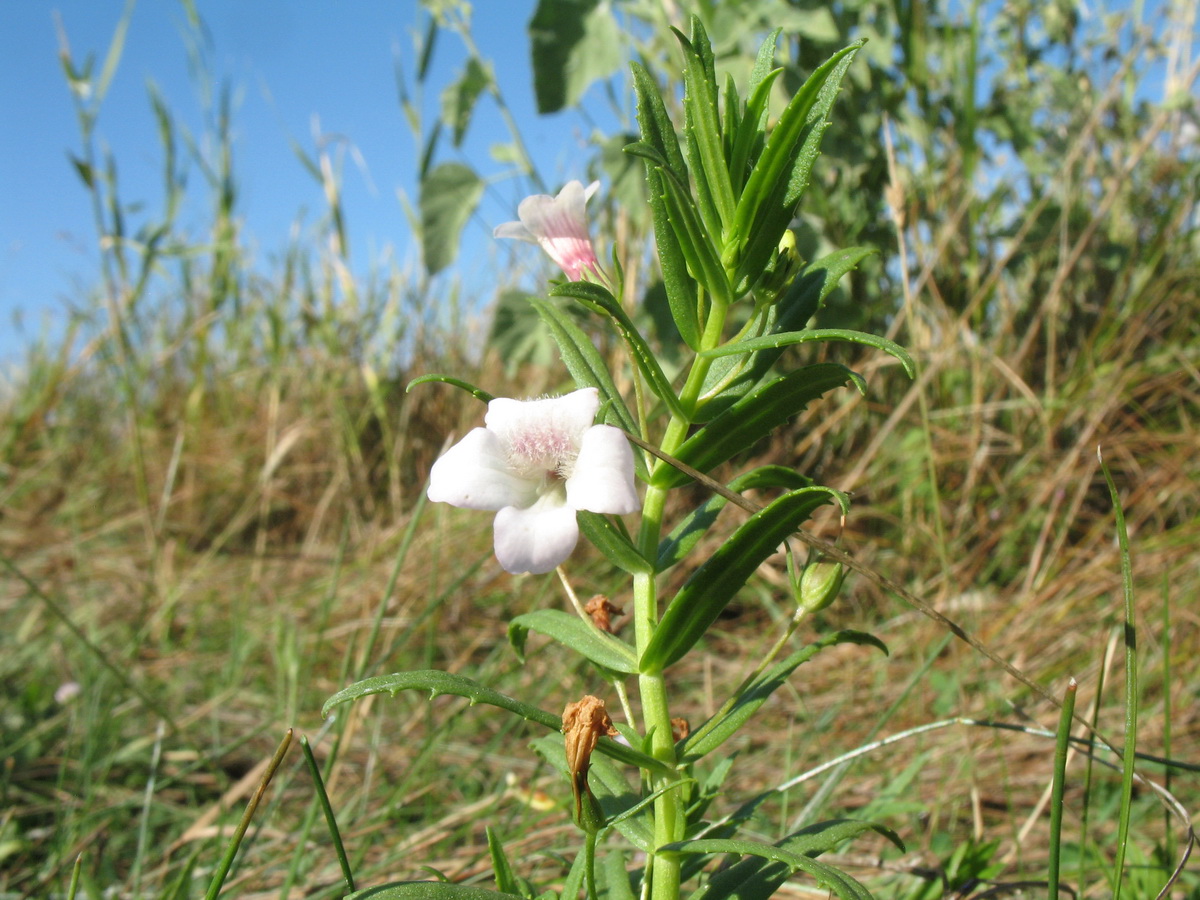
[{"x": 290, "y": 63}]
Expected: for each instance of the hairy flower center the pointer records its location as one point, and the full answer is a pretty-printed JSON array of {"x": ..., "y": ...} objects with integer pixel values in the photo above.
[{"x": 542, "y": 453}]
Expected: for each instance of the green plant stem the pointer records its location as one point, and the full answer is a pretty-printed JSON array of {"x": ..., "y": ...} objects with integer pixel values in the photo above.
[
  {"x": 589, "y": 866},
  {"x": 669, "y": 818}
]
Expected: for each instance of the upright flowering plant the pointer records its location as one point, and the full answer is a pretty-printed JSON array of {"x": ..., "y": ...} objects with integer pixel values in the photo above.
[{"x": 722, "y": 200}]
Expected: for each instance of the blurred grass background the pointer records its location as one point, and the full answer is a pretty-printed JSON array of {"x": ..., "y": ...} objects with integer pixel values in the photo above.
[{"x": 211, "y": 511}]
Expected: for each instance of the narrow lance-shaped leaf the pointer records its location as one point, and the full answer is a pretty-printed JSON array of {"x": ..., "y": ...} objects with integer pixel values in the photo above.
[
  {"x": 658, "y": 133},
  {"x": 754, "y": 417},
  {"x": 706, "y": 152},
  {"x": 778, "y": 340},
  {"x": 432, "y": 378},
  {"x": 756, "y": 878},
  {"x": 711, "y": 587},
  {"x": 609, "y": 540},
  {"x": 731, "y": 377},
  {"x": 738, "y": 710},
  {"x": 584, "y": 362},
  {"x": 598, "y": 299},
  {"x": 826, "y": 876},
  {"x": 439, "y": 683},
  {"x": 768, "y": 203},
  {"x": 679, "y": 543},
  {"x": 428, "y": 890},
  {"x": 604, "y": 650},
  {"x": 696, "y": 242}
]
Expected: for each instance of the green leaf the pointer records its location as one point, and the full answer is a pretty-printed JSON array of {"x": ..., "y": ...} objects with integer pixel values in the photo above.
[
  {"x": 658, "y": 134},
  {"x": 679, "y": 543},
  {"x": 842, "y": 884},
  {"x": 439, "y": 683},
  {"x": 571, "y": 44},
  {"x": 757, "y": 878},
  {"x": 747, "y": 141},
  {"x": 449, "y": 194},
  {"x": 729, "y": 378},
  {"x": 428, "y": 890},
  {"x": 737, "y": 710},
  {"x": 605, "y": 650},
  {"x": 717, "y": 581},
  {"x": 780, "y": 175},
  {"x": 459, "y": 97},
  {"x": 477, "y": 393},
  {"x": 789, "y": 338},
  {"x": 584, "y": 362},
  {"x": 702, "y": 126},
  {"x": 609, "y": 540},
  {"x": 506, "y": 880},
  {"x": 598, "y": 299},
  {"x": 517, "y": 336},
  {"x": 696, "y": 242},
  {"x": 752, "y": 418}
]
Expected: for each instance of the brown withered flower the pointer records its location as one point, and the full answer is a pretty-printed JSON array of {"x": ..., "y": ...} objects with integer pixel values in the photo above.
[
  {"x": 680, "y": 728},
  {"x": 584, "y": 723},
  {"x": 602, "y": 611}
]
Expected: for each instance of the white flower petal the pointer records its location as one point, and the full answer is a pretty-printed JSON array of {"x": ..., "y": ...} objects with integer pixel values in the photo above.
[
  {"x": 567, "y": 417},
  {"x": 475, "y": 474},
  {"x": 514, "y": 230},
  {"x": 602, "y": 481},
  {"x": 538, "y": 538}
]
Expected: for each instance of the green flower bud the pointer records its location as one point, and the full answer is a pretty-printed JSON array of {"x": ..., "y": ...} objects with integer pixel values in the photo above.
[{"x": 820, "y": 584}]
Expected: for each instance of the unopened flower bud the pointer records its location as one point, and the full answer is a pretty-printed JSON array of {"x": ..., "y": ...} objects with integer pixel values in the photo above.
[{"x": 820, "y": 584}]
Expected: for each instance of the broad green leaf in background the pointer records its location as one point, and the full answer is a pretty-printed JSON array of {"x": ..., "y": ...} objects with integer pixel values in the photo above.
[
  {"x": 572, "y": 43},
  {"x": 605, "y": 650},
  {"x": 712, "y": 586},
  {"x": 449, "y": 194},
  {"x": 459, "y": 97},
  {"x": 754, "y": 417},
  {"x": 517, "y": 334}
]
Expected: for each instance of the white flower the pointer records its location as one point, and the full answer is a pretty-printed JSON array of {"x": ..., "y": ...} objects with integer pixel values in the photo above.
[
  {"x": 559, "y": 224},
  {"x": 535, "y": 463}
]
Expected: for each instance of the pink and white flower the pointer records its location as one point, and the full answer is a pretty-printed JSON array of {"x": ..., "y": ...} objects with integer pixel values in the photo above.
[
  {"x": 559, "y": 224},
  {"x": 535, "y": 463}
]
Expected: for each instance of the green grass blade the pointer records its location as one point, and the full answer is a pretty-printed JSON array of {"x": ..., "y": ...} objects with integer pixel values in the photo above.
[
  {"x": 327, "y": 808},
  {"x": 214, "y": 888},
  {"x": 1061, "y": 745},
  {"x": 1131, "y": 683}
]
